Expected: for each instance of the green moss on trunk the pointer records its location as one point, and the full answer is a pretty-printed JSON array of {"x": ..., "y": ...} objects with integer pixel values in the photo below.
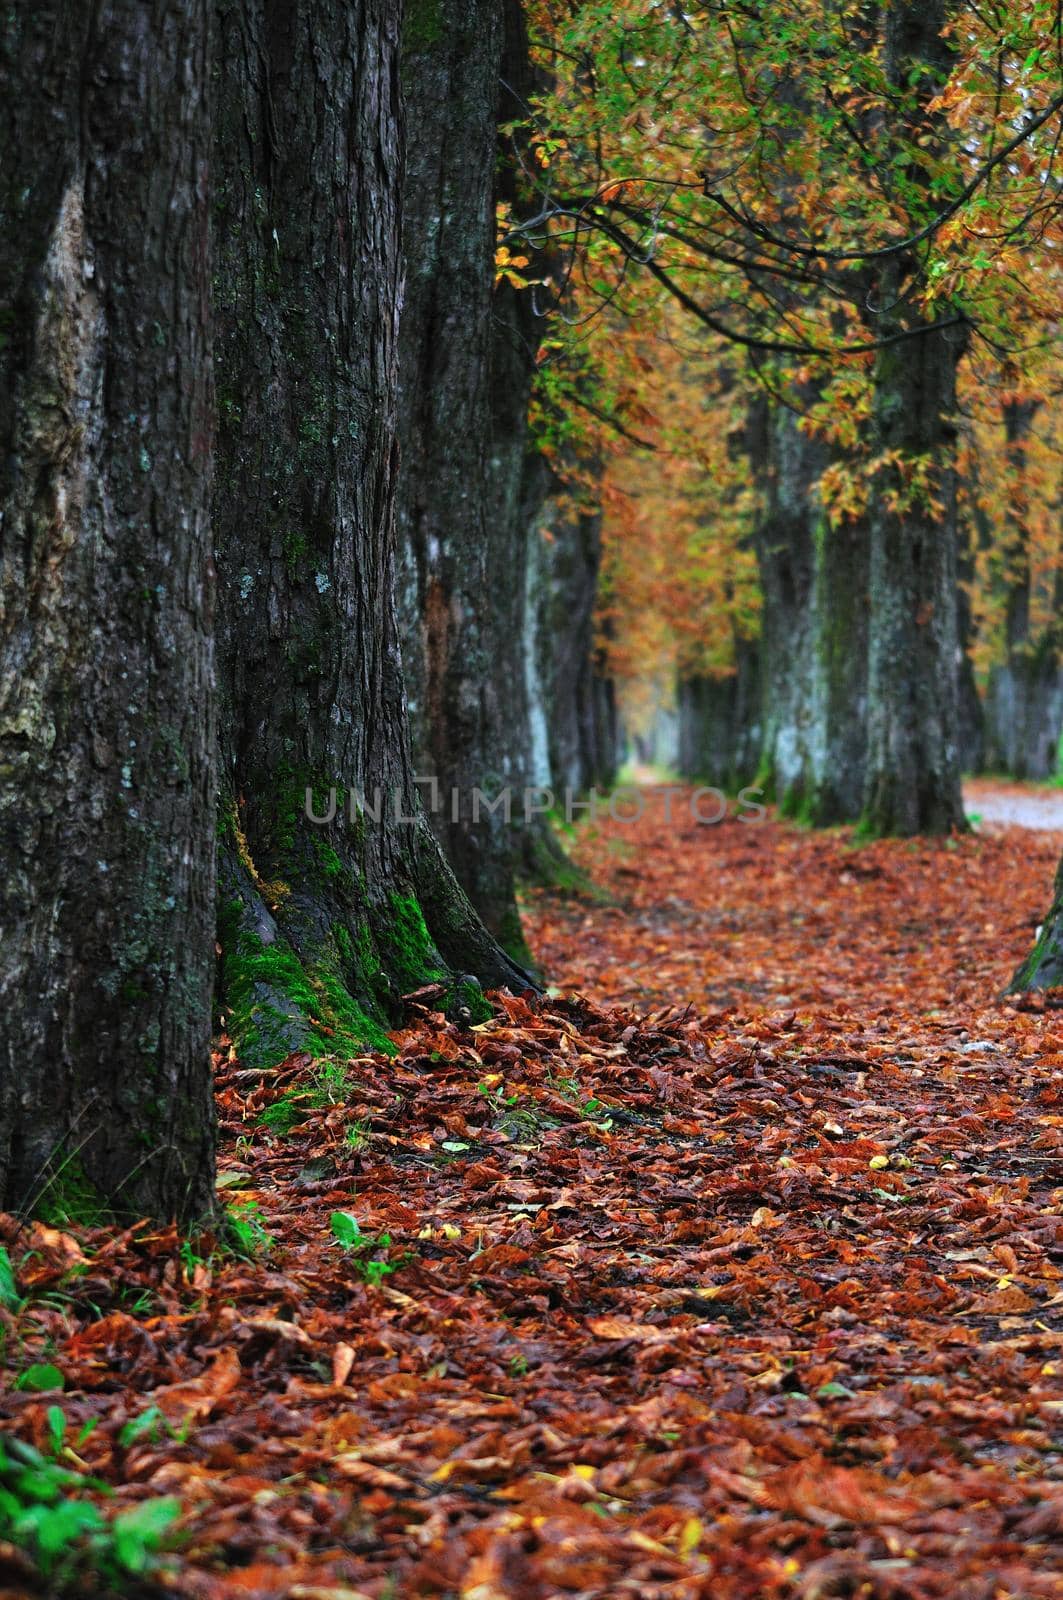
[
  {"x": 276, "y": 1004},
  {"x": 409, "y": 955},
  {"x": 1043, "y": 967}
]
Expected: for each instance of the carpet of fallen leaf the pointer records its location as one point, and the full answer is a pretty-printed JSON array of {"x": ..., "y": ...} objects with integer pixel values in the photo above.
[{"x": 733, "y": 1267}]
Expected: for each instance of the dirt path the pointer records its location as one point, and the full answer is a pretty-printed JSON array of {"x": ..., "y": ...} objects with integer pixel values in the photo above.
[
  {"x": 993, "y": 801},
  {"x": 769, "y": 914}
]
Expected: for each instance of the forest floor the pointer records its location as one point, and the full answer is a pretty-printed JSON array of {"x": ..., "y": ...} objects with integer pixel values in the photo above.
[{"x": 740, "y": 1277}]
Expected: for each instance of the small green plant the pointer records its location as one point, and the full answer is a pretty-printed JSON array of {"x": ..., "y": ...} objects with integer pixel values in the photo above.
[
  {"x": 190, "y": 1258},
  {"x": 57, "y": 1439},
  {"x": 151, "y": 1427},
  {"x": 333, "y": 1082},
  {"x": 495, "y": 1094},
  {"x": 39, "y": 1378},
  {"x": 68, "y": 1199},
  {"x": 357, "y": 1135},
  {"x": 45, "y": 1511},
  {"x": 567, "y": 1087},
  {"x": 247, "y": 1226},
  {"x": 330, "y": 1085},
  {"x": 139, "y": 1304},
  {"x": 595, "y": 1108},
  {"x": 10, "y": 1299},
  {"x": 243, "y": 1233},
  {"x": 361, "y": 1246}
]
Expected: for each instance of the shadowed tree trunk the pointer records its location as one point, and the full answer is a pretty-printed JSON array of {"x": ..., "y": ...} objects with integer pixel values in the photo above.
[
  {"x": 795, "y": 710},
  {"x": 971, "y": 711},
  {"x": 466, "y": 497},
  {"x": 460, "y": 605},
  {"x": 322, "y": 926},
  {"x": 571, "y": 692},
  {"x": 720, "y": 721},
  {"x": 107, "y": 802},
  {"x": 721, "y": 715},
  {"x": 1043, "y": 967},
  {"x": 785, "y": 552},
  {"x": 1024, "y": 700},
  {"x": 837, "y": 739},
  {"x": 813, "y": 631},
  {"x": 913, "y": 776}
]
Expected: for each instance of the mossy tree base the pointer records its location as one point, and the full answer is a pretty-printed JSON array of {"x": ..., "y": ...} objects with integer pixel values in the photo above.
[
  {"x": 544, "y": 863},
  {"x": 891, "y": 813},
  {"x": 319, "y": 964},
  {"x": 1043, "y": 967},
  {"x": 324, "y": 926}
]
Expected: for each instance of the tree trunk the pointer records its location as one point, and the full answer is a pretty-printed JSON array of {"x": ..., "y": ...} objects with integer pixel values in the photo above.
[
  {"x": 322, "y": 925},
  {"x": 790, "y": 465},
  {"x": 452, "y": 599},
  {"x": 107, "y": 778},
  {"x": 720, "y": 721},
  {"x": 814, "y": 581},
  {"x": 467, "y": 357},
  {"x": 1024, "y": 700},
  {"x": 837, "y": 716},
  {"x": 972, "y": 719},
  {"x": 1043, "y": 967},
  {"x": 572, "y": 684},
  {"x": 913, "y": 776}
]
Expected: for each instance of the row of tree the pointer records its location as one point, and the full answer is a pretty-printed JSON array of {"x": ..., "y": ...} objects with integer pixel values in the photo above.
[
  {"x": 217, "y": 406},
  {"x": 212, "y": 397},
  {"x": 835, "y": 219},
  {"x": 731, "y": 533},
  {"x": 834, "y": 232}
]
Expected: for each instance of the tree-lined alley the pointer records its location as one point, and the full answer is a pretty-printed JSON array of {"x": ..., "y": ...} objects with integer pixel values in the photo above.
[{"x": 413, "y": 419}]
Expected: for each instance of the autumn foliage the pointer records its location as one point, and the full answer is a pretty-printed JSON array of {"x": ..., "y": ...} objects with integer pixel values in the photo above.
[{"x": 723, "y": 189}]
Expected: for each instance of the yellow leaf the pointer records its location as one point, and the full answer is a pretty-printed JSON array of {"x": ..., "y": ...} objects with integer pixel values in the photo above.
[
  {"x": 644, "y": 1542},
  {"x": 690, "y": 1537}
]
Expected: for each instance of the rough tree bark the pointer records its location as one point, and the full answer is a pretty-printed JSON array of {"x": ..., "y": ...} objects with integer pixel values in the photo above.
[
  {"x": 1024, "y": 699},
  {"x": 785, "y": 548},
  {"x": 813, "y": 632},
  {"x": 971, "y": 710},
  {"x": 466, "y": 508},
  {"x": 461, "y": 607},
  {"x": 572, "y": 697},
  {"x": 913, "y": 773},
  {"x": 322, "y": 926},
  {"x": 1043, "y": 967},
  {"x": 107, "y": 803}
]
